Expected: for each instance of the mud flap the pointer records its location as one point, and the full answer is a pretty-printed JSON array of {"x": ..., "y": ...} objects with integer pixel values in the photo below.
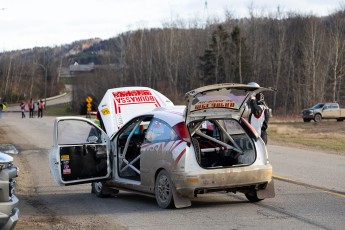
[
  {"x": 180, "y": 202},
  {"x": 268, "y": 192}
]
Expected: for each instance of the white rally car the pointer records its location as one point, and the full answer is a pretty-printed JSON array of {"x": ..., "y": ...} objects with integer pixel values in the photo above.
[{"x": 173, "y": 153}]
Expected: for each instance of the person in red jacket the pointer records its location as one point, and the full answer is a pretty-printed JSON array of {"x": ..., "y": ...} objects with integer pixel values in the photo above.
[
  {"x": 31, "y": 108},
  {"x": 22, "y": 108},
  {"x": 40, "y": 105}
]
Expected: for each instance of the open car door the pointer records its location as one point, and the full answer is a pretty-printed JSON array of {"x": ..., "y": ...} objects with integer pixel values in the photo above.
[{"x": 80, "y": 152}]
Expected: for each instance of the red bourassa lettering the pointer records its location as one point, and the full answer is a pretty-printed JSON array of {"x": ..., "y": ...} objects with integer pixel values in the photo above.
[
  {"x": 214, "y": 104},
  {"x": 138, "y": 99},
  {"x": 130, "y": 93}
]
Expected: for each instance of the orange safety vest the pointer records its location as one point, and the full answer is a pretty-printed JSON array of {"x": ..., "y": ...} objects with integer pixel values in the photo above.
[
  {"x": 31, "y": 105},
  {"x": 41, "y": 105}
]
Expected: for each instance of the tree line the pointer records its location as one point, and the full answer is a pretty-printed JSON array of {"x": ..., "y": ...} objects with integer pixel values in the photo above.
[{"x": 302, "y": 56}]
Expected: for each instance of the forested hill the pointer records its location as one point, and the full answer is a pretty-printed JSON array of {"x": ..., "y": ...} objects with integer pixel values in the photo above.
[{"x": 303, "y": 56}]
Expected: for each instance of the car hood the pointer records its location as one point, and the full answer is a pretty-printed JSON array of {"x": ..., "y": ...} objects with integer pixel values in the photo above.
[
  {"x": 5, "y": 160},
  {"x": 219, "y": 101},
  {"x": 119, "y": 105}
]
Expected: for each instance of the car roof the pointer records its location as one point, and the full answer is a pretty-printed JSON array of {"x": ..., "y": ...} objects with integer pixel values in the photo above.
[{"x": 171, "y": 115}]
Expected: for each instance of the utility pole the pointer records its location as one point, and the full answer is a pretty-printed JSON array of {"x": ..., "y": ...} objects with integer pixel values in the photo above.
[{"x": 45, "y": 82}]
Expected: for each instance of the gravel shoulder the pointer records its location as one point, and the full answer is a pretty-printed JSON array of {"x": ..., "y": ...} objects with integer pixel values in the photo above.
[{"x": 42, "y": 204}]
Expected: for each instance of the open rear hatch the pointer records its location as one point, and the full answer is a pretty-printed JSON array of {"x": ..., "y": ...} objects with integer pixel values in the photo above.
[
  {"x": 213, "y": 117},
  {"x": 220, "y": 100}
]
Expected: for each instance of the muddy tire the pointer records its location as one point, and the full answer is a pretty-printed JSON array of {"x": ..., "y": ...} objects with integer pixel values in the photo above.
[
  {"x": 101, "y": 190},
  {"x": 164, "y": 190}
]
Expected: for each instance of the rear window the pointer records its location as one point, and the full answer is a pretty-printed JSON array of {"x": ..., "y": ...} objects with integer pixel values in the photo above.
[
  {"x": 159, "y": 131},
  {"x": 232, "y": 99}
]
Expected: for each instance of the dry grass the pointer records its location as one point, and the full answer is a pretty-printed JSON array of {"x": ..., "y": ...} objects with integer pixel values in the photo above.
[{"x": 326, "y": 135}]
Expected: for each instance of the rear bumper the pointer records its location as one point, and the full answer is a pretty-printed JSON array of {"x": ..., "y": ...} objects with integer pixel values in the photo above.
[{"x": 229, "y": 179}]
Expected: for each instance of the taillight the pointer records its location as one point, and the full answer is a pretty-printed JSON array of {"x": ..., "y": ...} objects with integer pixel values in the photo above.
[
  {"x": 182, "y": 131},
  {"x": 250, "y": 127}
]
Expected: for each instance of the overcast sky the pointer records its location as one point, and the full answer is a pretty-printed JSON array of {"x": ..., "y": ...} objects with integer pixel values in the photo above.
[{"x": 31, "y": 23}]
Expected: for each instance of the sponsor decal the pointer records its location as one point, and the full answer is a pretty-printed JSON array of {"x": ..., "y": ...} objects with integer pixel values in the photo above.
[
  {"x": 66, "y": 171},
  {"x": 134, "y": 97},
  {"x": 65, "y": 164},
  {"x": 105, "y": 111},
  {"x": 214, "y": 104},
  {"x": 64, "y": 157}
]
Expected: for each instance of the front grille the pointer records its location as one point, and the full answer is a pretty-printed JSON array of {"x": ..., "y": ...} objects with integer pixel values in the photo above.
[
  {"x": 307, "y": 112},
  {"x": 11, "y": 189}
]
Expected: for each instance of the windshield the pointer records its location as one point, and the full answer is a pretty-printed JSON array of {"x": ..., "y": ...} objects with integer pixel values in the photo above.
[{"x": 317, "y": 106}]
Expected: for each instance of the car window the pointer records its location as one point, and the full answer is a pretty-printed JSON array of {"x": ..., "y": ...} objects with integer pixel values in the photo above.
[
  {"x": 159, "y": 131},
  {"x": 233, "y": 127},
  {"x": 210, "y": 129},
  {"x": 77, "y": 132}
]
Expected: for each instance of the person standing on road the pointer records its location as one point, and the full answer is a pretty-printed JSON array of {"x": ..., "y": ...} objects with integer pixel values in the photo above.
[
  {"x": 22, "y": 108},
  {"x": 31, "y": 108},
  {"x": 259, "y": 115},
  {"x": 2, "y": 107},
  {"x": 40, "y": 105}
]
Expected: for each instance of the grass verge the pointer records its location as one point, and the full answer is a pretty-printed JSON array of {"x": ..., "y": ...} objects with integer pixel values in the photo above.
[
  {"x": 60, "y": 110},
  {"x": 325, "y": 135}
]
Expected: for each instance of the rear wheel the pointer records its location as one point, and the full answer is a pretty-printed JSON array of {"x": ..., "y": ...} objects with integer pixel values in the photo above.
[
  {"x": 252, "y": 196},
  {"x": 163, "y": 190},
  {"x": 317, "y": 118}
]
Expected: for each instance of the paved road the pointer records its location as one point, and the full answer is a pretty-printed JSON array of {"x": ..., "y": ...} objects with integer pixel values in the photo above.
[
  {"x": 312, "y": 167},
  {"x": 45, "y": 205},
  {"x": 55, "y": 100}
]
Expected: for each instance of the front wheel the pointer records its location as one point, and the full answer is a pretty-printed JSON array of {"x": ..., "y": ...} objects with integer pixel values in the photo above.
[
  {"x": 164, "y": 190},
  {"x": 306, "y": 120},
  {"x": 317, "y": 118},
  {"x": 101, "y": 190},
  {"x": 253, "y": 196}
]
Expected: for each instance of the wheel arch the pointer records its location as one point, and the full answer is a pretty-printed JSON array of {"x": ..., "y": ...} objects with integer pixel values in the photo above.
[
  {"x": 316, "y": 115},
  {"x": 179, "y": 201}
]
